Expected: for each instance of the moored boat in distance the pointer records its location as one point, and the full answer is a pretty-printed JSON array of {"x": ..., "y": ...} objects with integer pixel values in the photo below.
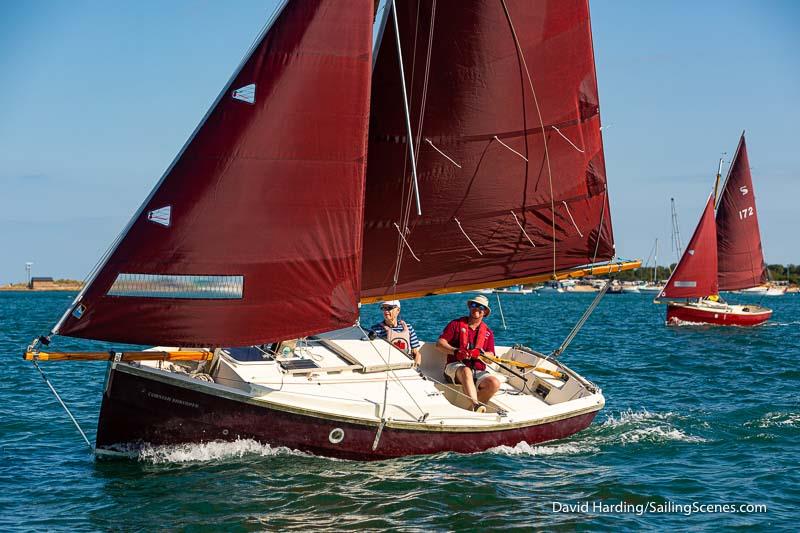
[{"x": 724, "y": 253}]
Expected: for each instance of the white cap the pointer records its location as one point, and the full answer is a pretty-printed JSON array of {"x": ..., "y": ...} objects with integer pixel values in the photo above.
[{"x": 394, "y": 303}]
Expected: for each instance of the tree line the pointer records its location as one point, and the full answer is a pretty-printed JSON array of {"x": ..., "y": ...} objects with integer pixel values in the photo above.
[{"x": 776, "y": 272}]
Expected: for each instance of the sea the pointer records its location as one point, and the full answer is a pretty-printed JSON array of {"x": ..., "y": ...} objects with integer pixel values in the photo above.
[{"x": 701, "y": 431}]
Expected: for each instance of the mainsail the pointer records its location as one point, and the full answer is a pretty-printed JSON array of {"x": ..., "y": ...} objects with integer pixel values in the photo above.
[
  {"x": 505, "y": 118},
  {"x": 254, "y": 233},
  {"x": 695, "y": 276},
  {"x": 741, "y": 260}
]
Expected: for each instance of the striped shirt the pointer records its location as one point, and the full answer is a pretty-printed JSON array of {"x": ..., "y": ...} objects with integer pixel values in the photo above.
[{"x": 412, "y": 335}]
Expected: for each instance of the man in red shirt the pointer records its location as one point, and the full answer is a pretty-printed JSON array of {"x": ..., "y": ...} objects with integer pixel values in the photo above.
[{"x": 464, "y": 340}]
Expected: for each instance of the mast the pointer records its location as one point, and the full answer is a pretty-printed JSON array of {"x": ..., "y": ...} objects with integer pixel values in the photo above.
[
  {"x": 655, "y": 264},
  {"x": 676, "y": 231},
  {"x": 716, "y": 183}
]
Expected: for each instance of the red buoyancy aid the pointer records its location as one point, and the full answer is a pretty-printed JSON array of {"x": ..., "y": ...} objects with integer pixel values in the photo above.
[{"x": 480, "y": 339}]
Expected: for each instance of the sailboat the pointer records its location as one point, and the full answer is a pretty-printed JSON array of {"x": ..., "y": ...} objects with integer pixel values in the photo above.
[
  {"x": 459, "y": 148},
  {"x": 653, "y": 286},
  {"x": 724, "y": 253}
]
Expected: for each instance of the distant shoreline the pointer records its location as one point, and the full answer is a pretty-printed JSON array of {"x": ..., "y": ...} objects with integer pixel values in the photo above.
[{"x": 67, "y": 285}]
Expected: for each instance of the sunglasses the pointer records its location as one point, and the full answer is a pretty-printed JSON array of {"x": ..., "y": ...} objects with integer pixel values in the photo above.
[
  {"x": 388, "y": 307},
  {"x": 473, "y": 305}
]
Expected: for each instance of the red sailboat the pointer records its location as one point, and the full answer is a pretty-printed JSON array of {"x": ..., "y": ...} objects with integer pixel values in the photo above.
[
  {"x": 724, "y": 254},
  {"x": 301, "y": 194}
]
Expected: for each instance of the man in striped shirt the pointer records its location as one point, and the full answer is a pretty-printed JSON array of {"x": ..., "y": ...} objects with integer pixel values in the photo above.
[{"x": 398, "y": 332}]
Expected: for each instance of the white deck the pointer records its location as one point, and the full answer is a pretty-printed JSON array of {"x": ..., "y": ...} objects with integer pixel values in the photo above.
[{"x": 353, "y": 375}]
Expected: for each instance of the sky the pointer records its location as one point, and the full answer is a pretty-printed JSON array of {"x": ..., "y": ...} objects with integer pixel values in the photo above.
[{"x": 96, "y": 99}]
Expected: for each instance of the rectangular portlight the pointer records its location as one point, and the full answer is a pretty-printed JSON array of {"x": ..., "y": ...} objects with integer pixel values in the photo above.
[{"x": 176, "y": 286}]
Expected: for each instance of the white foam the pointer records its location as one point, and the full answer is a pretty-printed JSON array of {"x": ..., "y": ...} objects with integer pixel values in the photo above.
[
  {"x": 632, "y": 427},
  {"x": 567, "y": 448},
  {"x": 777, "y": 420},
  {"x": 209, "y": 451}
]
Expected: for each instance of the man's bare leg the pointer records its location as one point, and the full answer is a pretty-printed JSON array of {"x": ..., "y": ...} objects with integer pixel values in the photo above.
[
  {"x": 464, "y": 377},
  {"x": 487, "y": 387}
]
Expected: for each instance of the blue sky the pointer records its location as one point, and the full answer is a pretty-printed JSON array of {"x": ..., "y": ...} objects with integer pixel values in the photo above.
[{"x": 96, "y": 98}]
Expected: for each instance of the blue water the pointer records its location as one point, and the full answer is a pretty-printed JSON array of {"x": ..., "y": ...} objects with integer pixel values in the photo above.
[{"x": 694, "y": 415}]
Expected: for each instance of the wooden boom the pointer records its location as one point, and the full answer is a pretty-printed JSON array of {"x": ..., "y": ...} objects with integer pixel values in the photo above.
[
  {"x": 182, "y": 355},
  {"x": 597, "y": 270}
]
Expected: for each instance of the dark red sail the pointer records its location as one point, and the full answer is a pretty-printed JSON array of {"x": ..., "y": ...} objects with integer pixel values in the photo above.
[
  {"x": 254, "y": 234},
  {"x": 493, "y": 199},
  {"x": 741, "y": 260},
  {"x": 695, "y": 276}
]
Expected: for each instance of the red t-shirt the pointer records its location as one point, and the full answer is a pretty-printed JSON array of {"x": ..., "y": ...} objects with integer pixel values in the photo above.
[{"x": 451, "y": 335}]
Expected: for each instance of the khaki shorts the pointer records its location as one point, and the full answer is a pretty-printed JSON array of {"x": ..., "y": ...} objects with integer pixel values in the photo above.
[{"x": 451, "y": 369}]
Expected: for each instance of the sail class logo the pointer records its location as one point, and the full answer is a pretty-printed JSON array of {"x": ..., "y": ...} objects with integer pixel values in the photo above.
[{"x": 743, "y": 189}]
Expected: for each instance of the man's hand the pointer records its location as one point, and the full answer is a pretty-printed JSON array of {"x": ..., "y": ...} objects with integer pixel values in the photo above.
[
  {"x": 461, "y": 354},
  {"x": 475, "y": 353}
]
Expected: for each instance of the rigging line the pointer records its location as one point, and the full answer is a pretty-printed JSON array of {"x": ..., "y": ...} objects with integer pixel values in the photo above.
[
  {"x": 541, "y": 124},
  {"x": 406, "y": 242},
  {"x": 581, "y": 322},
  {"x": 500, "y": 307},
  {"x": 443, "y": 154},
  {"x": 522, "y": 228},
  {"x": 572, "y": 219},
  {"x": 600, "y": 227},
  {"x": 496, "y": 138},
  {"x": 394, "y": 375},
  {"x": 567, "y": 139},
  {"x": 405, "y": 107},
  {"x": 426, "y": 77},
  {"x": 467, "y": 236},
  {"x": 407, "y": 204},
  {"x": 44, "y": 377}
]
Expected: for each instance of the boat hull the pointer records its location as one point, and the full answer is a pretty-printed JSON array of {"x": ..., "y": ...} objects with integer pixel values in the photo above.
[
  {"x": 138, "y": 410},
  {"x": 729, "y": 315}
]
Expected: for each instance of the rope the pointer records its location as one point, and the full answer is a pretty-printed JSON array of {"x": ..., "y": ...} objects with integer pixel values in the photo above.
[
  {"x": 386, "y": 381},
  {"x": 443, "y": 154},
  {"x": 44, "y": 377},
  {"x": 496, "y": 138},
  {"x": 467, "y": 236},
  {"x": 572, "y": 219},
  {"x": 406, "y": 107},
  {"x": 500, "y": 307},
  {"x": 541, "y": 124},
  {"x": 406, "y": 242},
  {"x": 523, "y": 229},
  {"x": 600, "y": 228},
  {"x": 406, "y": 206},
  {"x": 581, "y": 322},
  {"x": 567, "y": 139}
]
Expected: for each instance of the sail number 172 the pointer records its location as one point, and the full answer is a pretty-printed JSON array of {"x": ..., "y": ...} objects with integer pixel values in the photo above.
[{"x": 746, "y": 212}]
